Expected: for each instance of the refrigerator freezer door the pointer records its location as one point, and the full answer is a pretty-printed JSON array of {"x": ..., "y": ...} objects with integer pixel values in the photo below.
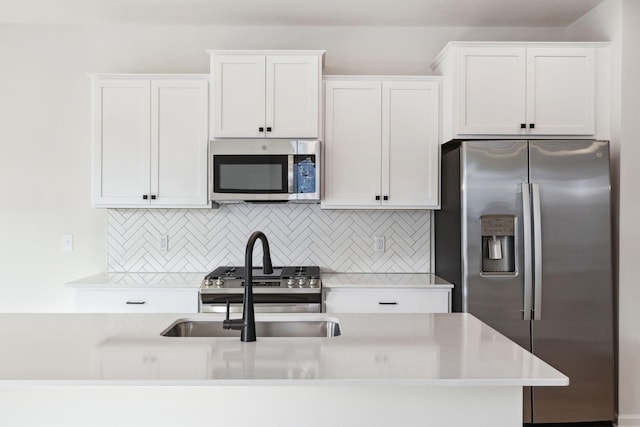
[
  {"x": 574, "y": 327},
  {"x": 492, "y": 174}
]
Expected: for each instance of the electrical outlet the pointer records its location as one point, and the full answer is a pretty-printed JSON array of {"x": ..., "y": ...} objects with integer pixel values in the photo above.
[
  {"x": 67, "y": 242},
  {"x": 163, "y": 242},
  {"x": 378, "y": 244}
]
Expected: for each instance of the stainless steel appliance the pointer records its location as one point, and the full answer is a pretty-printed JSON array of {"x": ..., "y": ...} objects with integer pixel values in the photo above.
[
  {"x": 268, "y": 170},
  {"x": 525, "y": 236},
  {"x": 286, "y": 290}
]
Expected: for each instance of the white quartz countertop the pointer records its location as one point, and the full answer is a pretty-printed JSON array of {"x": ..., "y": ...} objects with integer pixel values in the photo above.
[
  {"x": 193, "y": 280},
  {"x": 393, "y": 349},
  {"x": 383, "y": 280},
  {"x": 140, "y": 280}
]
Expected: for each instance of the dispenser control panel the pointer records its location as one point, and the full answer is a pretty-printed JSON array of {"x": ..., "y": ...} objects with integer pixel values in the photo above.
[{"x": 498, "y": 225}]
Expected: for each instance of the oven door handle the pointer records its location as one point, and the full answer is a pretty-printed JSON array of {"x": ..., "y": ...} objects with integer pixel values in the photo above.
[{"x": 263, "y": 308}]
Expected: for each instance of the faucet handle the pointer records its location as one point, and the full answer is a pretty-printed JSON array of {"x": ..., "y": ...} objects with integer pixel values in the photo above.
[
  {"x": 226, "y": 323},
  {"x": 236, "y": 324}
]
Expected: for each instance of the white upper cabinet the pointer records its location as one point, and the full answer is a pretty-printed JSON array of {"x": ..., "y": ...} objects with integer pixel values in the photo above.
[
  {"x": 266, "y": 94},
  {"x": 150, "y": 140},
  {"x": 353, "y": 143},
  {"x": 381, "y": 142},
  {"x": 491, "y": 90},
  {"x": 121, "y": 142},
  {"x": 238, "y": 95},
  {"x": 561, "y": 91},
  {"x": 410, "y": 144},
  {"x": 527, "y": 89}
]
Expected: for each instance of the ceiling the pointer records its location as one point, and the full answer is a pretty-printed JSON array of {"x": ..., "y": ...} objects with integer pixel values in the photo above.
[{"x": 490, "y": 13}]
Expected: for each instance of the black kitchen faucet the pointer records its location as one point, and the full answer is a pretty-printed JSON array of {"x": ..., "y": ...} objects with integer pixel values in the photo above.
[{"x": 248, "y": 322}]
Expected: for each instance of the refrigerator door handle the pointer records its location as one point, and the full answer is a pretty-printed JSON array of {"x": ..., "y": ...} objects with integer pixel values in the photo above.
[
  {"x": 526, "y": 225},
  {"x": 537, "y": 253}
]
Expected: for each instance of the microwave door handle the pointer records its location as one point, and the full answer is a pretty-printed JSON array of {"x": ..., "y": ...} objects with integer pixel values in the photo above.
[{"x": 290, "y": 174}]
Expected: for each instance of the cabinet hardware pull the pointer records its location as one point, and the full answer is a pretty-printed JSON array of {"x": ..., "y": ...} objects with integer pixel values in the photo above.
[
  {"x": 532, "y": 125},
  {"x": 145, "y": 197},
  {"x": 268, "y": 128},
  {"x": 153, "y": 197},
  {"x": 377, "y": 197},
  {"x": 523, "y": 125},
  {"x": 136, "y": 302},
  {"x": 385, "y": 198},
  {"x": 260, "y": 129},
  {"x": 387, "y": 303}
]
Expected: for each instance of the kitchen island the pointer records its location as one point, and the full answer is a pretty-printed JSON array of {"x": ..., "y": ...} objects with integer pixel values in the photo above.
[{"x": 409, "y": 369}]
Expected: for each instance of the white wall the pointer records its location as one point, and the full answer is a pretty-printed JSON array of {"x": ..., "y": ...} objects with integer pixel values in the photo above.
[
  {"x": 616, "y": 20},
  {"x": 629, "y": 336},
  {"x": 45, "y": 123}
]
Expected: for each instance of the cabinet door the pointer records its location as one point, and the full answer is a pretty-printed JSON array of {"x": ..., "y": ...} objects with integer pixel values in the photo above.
[
  {"x": 105, "y": 300},
  {"x": 352, "y": 172},
  {"x": 560, "y": 91},
  {"x": 238, "y": 96},
  {"x": 179, "y": 142},
  {"x": 387, "y": 300},
  {"x": 292, "y": 96},
  {"x": 491, "y": 90},
  {"x": 121, "y": 142},
  {"x": 410, "y": 146}
]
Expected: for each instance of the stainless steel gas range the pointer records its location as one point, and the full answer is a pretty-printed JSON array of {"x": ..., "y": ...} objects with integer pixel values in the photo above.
[{"x": 286, "y": 290}]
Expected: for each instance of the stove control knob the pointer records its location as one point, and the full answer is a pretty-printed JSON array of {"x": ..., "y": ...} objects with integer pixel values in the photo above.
[
  {"x": 219, "y": 283},
  {"x": 313, "y": 283},
  {"x": 291, "y": 283},
  {"x": 301, "y": 282},
  {"x": 208, "y": 281}
]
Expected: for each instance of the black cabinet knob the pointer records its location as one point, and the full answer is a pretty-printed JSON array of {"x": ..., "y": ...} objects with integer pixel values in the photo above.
[
  {"x": 268, "y": 128},
  {"x": 260, "y": 129},
  {"x": 385, "y": 198},
  {"x": 523, "y": 125},
  {"x": 153, "y": 197},
  {"x": 377, "y": 197},
  {"x": 532, "y": 125},
  {"x": 145, "y": 197}
]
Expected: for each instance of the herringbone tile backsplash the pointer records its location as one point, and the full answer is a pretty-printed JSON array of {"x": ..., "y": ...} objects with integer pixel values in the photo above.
[{"x": 202, "y": 239}]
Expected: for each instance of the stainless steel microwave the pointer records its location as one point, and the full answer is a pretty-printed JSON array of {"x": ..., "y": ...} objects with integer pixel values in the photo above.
[{"x": 270, "y": 170}]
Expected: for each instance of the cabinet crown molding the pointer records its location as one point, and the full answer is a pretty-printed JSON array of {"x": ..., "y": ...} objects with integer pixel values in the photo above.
[
  {"x": 450, "y": 46},
  {"x": 279, "y": 52},
  {"x": 381, "y": 78},
  {"x": 114, "y": 76},
  {"x": 264, "y": 52}
]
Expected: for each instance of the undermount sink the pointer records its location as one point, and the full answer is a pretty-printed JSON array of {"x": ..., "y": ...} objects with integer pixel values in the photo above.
[{"x": 264, "y": 328}]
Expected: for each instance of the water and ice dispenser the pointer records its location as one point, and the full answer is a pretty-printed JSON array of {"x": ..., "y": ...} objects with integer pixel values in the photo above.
[{"x": 498, "y": 243}]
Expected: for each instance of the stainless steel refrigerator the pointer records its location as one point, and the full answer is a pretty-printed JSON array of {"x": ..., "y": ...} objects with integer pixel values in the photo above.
[{"x": 524, "y": 234}]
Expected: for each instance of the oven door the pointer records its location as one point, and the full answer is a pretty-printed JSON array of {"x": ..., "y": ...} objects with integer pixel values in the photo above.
[{"x": 262, "y": 303}]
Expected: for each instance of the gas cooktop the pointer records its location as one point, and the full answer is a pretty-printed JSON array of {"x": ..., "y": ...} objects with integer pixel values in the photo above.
[{"x": 296, "y": 277}]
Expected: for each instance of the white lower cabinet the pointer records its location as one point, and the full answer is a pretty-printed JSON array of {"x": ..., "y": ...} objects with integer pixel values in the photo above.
[
  {"x": 148, "y": 300},
  {"x": 387, "y": 300}
]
